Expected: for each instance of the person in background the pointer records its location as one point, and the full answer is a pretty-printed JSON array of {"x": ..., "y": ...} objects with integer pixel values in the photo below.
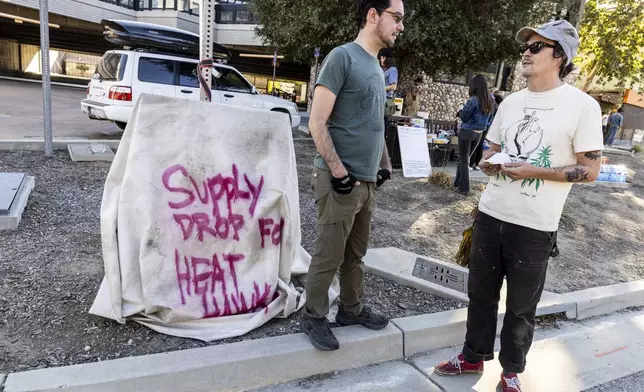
[
  {"x": 475, "y": 116},
  {"x": 412, "y": 100},
  {"x": 351, "y": 164},
  {"x": 478, "y": 153},
  {"x": 551, "y": 131},
  {"x": 388, "y": 64},
  {"x": 614, "y": 124},
  {"x": 605, "y": 125}
]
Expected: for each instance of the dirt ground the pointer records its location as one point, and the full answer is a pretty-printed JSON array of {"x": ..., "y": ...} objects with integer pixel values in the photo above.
[{"x": 51, "y": 267}]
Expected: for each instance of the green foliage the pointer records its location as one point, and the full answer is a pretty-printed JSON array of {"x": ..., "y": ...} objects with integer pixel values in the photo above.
[
  {"x": 451, "y": 36},
  {"x": 613, "y": 42}
]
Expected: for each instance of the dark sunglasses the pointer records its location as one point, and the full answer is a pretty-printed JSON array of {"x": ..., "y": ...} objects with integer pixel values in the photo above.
[{"x": 535, "y": 47}]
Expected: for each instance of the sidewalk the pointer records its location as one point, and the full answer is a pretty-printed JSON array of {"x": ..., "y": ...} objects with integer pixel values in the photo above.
[{"x": 608, "y": 352}]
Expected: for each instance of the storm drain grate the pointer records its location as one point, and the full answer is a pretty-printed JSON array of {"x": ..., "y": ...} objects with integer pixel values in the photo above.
[{"x": 440, "y": 274}]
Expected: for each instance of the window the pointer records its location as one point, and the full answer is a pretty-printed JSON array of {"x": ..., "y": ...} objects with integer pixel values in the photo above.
[
  {"x": 230, "y": 80},
  {"x": 188, "y": 75},
  {"x": 156, "y": 70},
  {"x": 112, "y": 66},
  {"x": 226, "y": 16},
  {"x": 242, "y": 17}
]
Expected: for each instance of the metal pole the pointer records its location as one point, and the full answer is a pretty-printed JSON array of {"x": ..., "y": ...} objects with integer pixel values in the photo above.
[
  {"x": 274, "y": 66},
  {"x": 46, "y": 79}
]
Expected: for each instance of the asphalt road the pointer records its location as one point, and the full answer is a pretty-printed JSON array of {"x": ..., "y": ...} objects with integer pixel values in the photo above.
[{"x": 21, "y": 113}]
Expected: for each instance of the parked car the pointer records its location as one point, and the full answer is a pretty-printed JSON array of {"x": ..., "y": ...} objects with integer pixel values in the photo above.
[{"x": 123, "y": 75}]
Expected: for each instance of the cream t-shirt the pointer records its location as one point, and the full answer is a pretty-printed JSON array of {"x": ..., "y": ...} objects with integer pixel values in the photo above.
[{"x": 545, "y": 129}]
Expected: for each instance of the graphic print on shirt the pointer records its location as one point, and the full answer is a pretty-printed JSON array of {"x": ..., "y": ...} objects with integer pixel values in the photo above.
[{"x": 523, "y": 141}]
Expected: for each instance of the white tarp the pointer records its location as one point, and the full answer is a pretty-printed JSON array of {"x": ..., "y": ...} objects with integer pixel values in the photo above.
[{"x": 200, "y": 220}]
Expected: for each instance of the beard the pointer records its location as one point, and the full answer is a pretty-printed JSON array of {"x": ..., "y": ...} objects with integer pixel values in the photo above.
[{"x": 387, "y": 40}]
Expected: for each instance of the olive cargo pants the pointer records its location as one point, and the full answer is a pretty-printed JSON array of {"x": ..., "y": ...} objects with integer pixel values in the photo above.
[{"x": 344, "y": 229}]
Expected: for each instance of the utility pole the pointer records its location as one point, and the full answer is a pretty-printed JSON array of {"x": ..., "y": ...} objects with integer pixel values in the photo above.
[{"x": 46, "y": 79}]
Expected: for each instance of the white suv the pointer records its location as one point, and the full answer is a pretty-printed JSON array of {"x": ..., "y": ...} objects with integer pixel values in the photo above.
[{"x": 123, "y": 75}]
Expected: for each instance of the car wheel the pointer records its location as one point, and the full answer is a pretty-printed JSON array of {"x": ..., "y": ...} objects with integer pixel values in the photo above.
[{"x": 120, "y": 124}]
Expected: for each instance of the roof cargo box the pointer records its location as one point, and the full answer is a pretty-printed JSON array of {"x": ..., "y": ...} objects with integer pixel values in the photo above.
[{"x": 140, "y": 35}]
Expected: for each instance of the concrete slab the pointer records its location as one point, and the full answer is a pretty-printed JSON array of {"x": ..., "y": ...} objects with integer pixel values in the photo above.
[
  {"x": 607, "y": 299},
  {"x": 3, "y": 377},
  {"x": 58, "y": 143},
  {"x": 571, "y": 362},
  {"x": 88, "y": 152},
  {"x": 11, "y": 220},
  {"x": 231, "y": 367},
  {"x": 386, "y": 377},
  {"x": 9, "y": 185},
  {"x": 398, "y": 265},
  {"x": 618, "y": 151}
]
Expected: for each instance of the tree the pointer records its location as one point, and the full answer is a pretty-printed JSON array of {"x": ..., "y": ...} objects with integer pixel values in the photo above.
[
  {"x": 450, "y": 36},
  {"x": 612, "y": 37}
]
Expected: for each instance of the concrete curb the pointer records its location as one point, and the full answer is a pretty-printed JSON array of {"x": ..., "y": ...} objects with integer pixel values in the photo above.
[
  {"x": 598, "y": 301},
  {"x": 12, "y": 221},
  {"x": 58, "y": 144},
  {"x": 232, "y": 367},
  {"x": 79, "y": 86}
]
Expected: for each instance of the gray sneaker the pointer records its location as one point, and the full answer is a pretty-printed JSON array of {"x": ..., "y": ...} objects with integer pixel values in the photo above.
[
  {"x": 319, "y": 333},
  {"x": 367, "y": 319}
]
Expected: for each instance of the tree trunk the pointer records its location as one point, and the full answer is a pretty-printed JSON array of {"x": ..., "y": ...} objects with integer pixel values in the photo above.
[
  {"x": 590, "y": 77},
  {"x": 576, "y": 13}
]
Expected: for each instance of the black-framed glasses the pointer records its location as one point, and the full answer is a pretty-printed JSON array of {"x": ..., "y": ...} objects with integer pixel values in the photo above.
[
  {"x": 536, "y": 47},
  {"x": 397, "y": 17}
]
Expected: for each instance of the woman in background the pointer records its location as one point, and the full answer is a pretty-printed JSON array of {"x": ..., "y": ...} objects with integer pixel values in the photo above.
[
  {"x": 478, "y": 153},
  {"x": 475, "y": 116}
]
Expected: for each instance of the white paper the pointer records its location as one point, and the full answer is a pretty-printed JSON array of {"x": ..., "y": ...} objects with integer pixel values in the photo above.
[
  {"x": 499, "y": 158},
  {"x": 414, "y": 152}
]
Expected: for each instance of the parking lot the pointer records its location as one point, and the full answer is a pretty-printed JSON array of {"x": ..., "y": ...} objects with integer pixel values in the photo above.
[{"x": 21, "y": 113}]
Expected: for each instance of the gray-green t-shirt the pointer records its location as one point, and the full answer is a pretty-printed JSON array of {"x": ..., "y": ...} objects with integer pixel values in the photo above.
[{"x": 356, "y": 124}]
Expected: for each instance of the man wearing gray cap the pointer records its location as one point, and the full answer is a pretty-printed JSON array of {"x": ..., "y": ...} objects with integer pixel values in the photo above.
[{"x": 544, "y": 138}]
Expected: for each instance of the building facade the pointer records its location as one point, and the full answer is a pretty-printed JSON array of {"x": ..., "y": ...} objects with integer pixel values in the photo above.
[{"x": 77, "y": 44}]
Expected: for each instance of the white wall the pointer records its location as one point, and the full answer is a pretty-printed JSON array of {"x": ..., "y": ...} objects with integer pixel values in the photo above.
[
  {"x": 236, "y": 34},
  {"x": 95, "y": 11},
  {"x": 89, "y": 10}
]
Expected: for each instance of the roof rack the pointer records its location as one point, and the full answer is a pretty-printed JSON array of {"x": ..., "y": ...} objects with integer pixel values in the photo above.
[{"x": 153, "y": 37}]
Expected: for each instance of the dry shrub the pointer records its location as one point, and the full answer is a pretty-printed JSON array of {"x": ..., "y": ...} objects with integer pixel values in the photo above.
[{"x": 442, "y": 179}]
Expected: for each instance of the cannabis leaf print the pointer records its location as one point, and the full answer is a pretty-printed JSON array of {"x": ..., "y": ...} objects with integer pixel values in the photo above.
[{"x": 542, "y": 160}]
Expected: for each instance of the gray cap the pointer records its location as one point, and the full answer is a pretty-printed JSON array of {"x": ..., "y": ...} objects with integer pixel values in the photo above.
[{"x": 560, "y": 31}]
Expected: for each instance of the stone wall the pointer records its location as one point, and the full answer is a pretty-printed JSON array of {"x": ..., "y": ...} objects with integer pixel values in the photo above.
[{"x": 440, "y": 100}]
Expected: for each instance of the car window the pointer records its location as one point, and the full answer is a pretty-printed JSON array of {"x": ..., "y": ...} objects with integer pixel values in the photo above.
[
  {"x": 230, "y": 80},
  {"x": 112, "y": 66},
  {"x": 153, "y": 70},
  {"x": 188, "y": 75}
]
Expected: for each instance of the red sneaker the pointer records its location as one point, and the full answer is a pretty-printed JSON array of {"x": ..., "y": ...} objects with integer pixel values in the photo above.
[
  {"x": 458, "y": 365},
  {"x": 511, "y": 382}
]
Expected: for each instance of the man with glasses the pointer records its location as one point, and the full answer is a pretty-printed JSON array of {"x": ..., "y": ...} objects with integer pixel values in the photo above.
[
  {"x": 547, "y": 137},
  {"x": 352, "y": 161}
]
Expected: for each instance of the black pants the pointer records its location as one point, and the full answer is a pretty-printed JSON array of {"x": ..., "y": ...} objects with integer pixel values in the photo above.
[
  {"x": 519, "y": 254},
  {"x": 478, "y": 152},
  {"x": 467, "y": 142}
]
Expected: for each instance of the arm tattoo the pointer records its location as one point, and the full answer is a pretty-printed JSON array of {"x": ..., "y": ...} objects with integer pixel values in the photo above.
[
  {"x": 593, "y": 155},
  {"x": 578, "y": 174}
]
